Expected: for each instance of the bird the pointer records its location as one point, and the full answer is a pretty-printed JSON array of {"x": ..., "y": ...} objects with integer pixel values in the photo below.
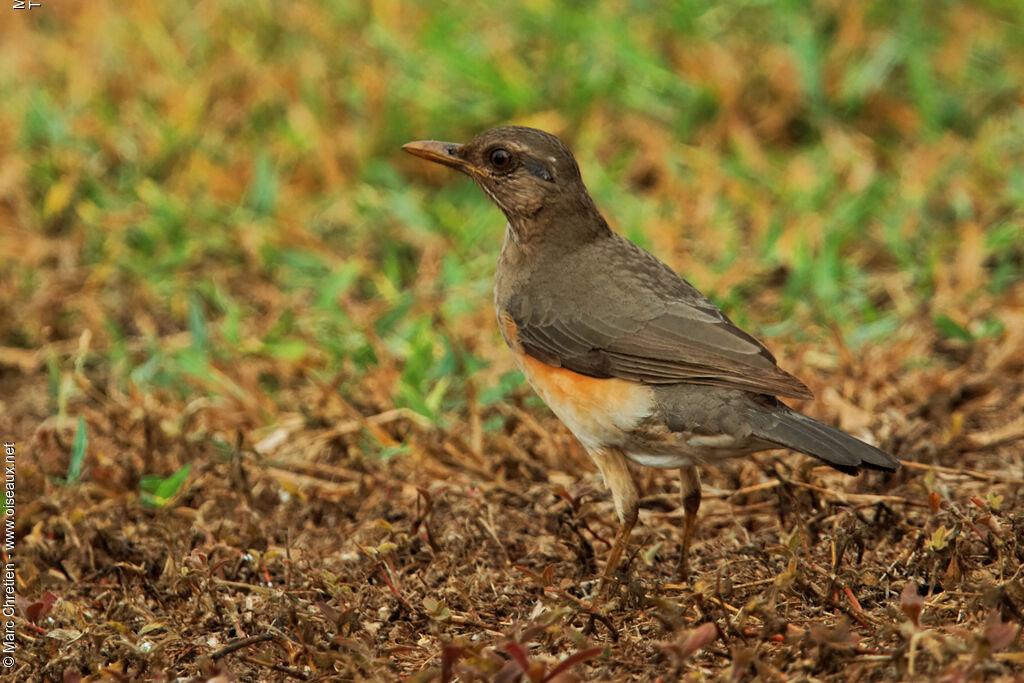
[{"x": 636, "y": 362}]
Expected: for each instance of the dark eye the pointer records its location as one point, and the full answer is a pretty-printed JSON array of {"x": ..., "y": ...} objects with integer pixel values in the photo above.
[{"x": 500, "y": 158}]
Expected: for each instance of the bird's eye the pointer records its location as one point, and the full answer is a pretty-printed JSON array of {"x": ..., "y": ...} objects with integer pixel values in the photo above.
[{"x": 500, "y": 158}]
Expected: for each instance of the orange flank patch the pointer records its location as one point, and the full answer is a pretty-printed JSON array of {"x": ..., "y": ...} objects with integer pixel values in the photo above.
[
  {"x": 567, "y": 390},
  {"x": 596, "y": 411}
]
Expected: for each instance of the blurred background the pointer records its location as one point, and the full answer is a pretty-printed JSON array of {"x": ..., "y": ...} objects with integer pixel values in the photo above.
[
  {"x": 213, "y": 244},
  {"x": 216, "y": 188}
]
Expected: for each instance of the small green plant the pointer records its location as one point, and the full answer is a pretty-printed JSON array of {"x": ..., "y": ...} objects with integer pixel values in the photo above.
[
  {"x": 939, "y": 539},
  {"x": 78, "y": 449},
  {"x": 158, "y": 491}
]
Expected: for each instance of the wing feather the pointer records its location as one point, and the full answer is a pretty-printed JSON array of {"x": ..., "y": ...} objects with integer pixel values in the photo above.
[{"x": 650, "y": 326}]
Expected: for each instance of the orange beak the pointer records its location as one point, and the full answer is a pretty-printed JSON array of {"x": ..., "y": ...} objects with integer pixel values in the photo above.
[{"x": 445, "y": 153}]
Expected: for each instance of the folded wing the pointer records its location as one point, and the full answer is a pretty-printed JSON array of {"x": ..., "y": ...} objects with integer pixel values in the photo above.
[{"x": 648, "y": 326}]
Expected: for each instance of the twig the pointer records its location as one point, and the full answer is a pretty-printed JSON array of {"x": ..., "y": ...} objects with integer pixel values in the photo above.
[
  {"x": 32, "y": 360},
  {"x": 527, "y": 419},
  {"x": 319, "y": 470},
  {"x": 867, "y": 498},
  {"x": 763, "y": 486},
  {"x": 330, "y": 488},
  {"x": 244, "y": 586},
  {"x": 751, "y": 584},
  {"x": 975, "y": 474},
  {"x": 462, "y": 620},
  {"x": 286, "y": 670},
  {"x": 243, "y": 643}
]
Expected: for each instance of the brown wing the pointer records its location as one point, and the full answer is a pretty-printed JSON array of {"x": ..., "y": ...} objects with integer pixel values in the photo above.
[{"x": 646, "y": 324}]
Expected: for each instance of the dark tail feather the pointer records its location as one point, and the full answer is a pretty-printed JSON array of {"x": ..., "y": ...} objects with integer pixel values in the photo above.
[{"x": 788, "y": 428}]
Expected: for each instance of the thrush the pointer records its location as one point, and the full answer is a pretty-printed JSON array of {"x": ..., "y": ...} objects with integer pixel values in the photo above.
[{"x": 636, "y": 362}]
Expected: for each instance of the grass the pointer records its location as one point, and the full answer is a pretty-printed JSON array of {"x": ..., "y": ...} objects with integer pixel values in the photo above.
[
  {"x": 261, "y": 152},
  {"x": 211, "y": 225}
]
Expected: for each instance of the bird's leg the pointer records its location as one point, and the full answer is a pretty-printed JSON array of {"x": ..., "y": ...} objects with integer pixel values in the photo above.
[
  {"x": 621, "y": 542},
  {"x": 617, "y": 476},
  {"x": 690, "y": 489}
]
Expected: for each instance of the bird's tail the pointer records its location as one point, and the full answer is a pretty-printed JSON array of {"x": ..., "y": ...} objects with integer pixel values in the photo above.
[{"x": 789, "y": 428}]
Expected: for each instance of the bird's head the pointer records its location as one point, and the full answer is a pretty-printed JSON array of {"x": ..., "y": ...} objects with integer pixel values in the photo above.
[{"x": 524, "y": 170}]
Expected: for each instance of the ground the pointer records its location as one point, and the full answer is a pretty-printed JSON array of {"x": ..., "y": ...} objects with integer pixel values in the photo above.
[{"x": 289, "y": 554}]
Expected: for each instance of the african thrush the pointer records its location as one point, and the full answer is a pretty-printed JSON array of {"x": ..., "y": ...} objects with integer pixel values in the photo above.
[{"x": 635, "y": 361}]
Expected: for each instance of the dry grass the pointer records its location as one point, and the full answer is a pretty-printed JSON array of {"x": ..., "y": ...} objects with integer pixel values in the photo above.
[{"x": 321, "y": 562}]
